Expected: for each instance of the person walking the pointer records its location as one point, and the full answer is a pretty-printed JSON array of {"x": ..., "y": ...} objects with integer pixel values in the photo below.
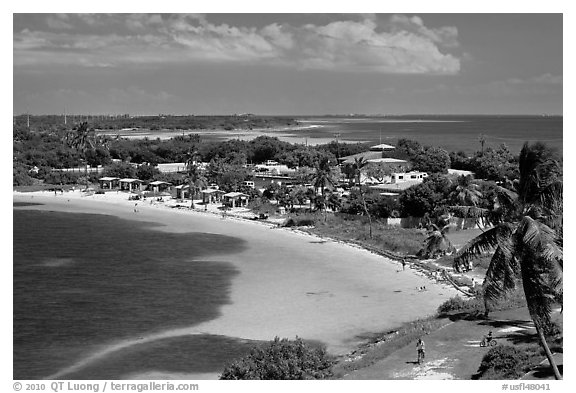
[{"x": 403, "y": 263}]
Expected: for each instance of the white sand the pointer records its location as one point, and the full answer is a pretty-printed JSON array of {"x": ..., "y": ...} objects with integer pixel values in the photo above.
[{"x": 290, "y": 284}]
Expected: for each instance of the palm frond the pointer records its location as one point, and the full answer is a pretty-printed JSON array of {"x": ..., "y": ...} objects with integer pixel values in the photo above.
[
  {"x": 501, "y": 275},
  {"x": 486, "y": 241},
  {"x": 505, "y": 197},
  {"x": 551, "y": 196},
  {"x": 469, "y": 211},
  {"x": 537, "y": 288},
  {"x": 539, "y": 238}
]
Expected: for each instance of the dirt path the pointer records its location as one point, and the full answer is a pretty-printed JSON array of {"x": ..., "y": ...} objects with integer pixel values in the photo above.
[{"x": 452, "y": 352}]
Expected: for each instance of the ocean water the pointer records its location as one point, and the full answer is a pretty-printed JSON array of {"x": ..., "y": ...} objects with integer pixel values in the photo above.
[
  {"x": 86, "y": 281},
  {"x": 454, "y": 133}
]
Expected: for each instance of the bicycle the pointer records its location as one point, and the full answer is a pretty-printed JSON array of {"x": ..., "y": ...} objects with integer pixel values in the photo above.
[
  {"x": 490, "y": 342},
  {"x": 421, "y": 356}
]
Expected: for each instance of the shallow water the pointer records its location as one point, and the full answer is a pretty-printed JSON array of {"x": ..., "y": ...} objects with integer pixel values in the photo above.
[{"x": 84, "y": 281}]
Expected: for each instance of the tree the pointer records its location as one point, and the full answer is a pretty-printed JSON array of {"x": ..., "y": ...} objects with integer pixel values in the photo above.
[
  {"x": 437, "y": 241},
  {"x": 82, "y": 140},
  {"x": 196, "y": 179},
  {"x": 467, "y": 196},
  {"x": 432, "y": 160},
  {"x": 359, "y": 164},
  {"x": 146, "y": 172},
  {"x": 333, "y": 202},
  {"x": 409, "y": 148},
  {"x": 526, "y": 238},
  {"x": 430, "y": 196},
  {"x": 379, "y": 171},
  {"x": 121, "y": 170},
  {"x": 323, "y": 175},
  {"x": 281, "y": 360},
  {"x": 495, "y": 164},
  {"x": 482, "y": 140}
]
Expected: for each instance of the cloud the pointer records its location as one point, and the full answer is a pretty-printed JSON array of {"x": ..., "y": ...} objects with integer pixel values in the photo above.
[{"x": 356, "y": 44}]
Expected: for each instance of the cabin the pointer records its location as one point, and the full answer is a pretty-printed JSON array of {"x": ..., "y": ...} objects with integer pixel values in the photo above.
[
  {"x": 235, "y": 199},
  {"x": 182, "y": 191},
  {"x": 131, "y": 185},
  {"x": 109, "y": 183},
  {"x": 159, "y": 186},
  {"x": 211, "y": 195}
]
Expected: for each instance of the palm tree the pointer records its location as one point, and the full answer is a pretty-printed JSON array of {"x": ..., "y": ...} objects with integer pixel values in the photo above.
[
  {"x": 437, "y": 241},
  {"x": 333, "y": 201},
  {"x": 323, "y": 175},
  {"x": 83, "y": 140},
  {"x": 527, "y": 240},
  {"x": 467, "y": 195},
  {"x": 195, "y": 178},
  {"x": 482, "y": 140},
  {"x": 359, "y": 164}
]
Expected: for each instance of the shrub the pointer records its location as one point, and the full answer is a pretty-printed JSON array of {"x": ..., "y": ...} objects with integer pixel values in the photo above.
[
  {"x": 281, "y": 360},
  {"x": 20, "y": 176},
  {"x": 503, "y": 362},
  {"x": 457, "y": 304},
  {"x": 59, "y": 177}
]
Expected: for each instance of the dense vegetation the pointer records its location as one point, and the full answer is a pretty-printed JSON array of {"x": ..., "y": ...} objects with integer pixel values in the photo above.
[{"x": 282, "y": 359}]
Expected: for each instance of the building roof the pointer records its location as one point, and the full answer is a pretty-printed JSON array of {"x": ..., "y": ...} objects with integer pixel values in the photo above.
[
  {"x": 235, "y": 194},
  {"x": 382, "y": 147},
  {"x": 396, "y": 187},
  {"x": 211, "y": 191},
  {"x": 182, "y": 186},
  {"x": 367, "y": 155},
  {"x": 460, "y": 172},
  {"x": 108, "y": 178},
  {"x": 172, "y": 167},
  {"x": 388, "y": 161},
  {"x": 131, "y": 181},
  {"x": 158, "y": 183}
]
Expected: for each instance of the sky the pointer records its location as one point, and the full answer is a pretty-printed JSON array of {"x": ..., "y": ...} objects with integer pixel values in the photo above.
[{"x": 288, "y": 64}]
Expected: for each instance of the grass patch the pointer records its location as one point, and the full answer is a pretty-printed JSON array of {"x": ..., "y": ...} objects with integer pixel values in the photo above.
[
  {"x": 383, "y": 345},
  {"x": 355, "y": 229},
  {"x": 459, "y": 308}
]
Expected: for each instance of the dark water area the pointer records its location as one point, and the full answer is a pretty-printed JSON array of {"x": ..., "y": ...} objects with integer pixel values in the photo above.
[
  {"x": 26, "y": 204},
  {"x": 454, "y": 133},
  {"x": 82, "y": 281},
  {"x": 185, "y": 354}
]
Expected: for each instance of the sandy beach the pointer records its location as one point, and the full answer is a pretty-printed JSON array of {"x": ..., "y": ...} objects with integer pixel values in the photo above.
[{"x": 290, "y": 284}]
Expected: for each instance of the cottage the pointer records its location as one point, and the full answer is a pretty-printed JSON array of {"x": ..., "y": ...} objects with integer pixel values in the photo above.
[
  {"x": 159, "y": 186},
  {"x": 131, "y": 185},
  {"x": 108, "y": 182},
  {"x": 182, "y": 191},
  {"x": 211, "y": 195},
  {"x": 235, "y": 199}
]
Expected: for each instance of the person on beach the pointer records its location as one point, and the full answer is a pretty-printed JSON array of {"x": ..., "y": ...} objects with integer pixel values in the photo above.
[
  {"x": 421, "y": 347},
  {"x": 403, "y": 263},
  {"x": 136, "y": 208}
]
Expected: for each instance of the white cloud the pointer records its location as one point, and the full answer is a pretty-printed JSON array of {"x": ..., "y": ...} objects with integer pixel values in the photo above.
[{"x": 403, "y": 45}]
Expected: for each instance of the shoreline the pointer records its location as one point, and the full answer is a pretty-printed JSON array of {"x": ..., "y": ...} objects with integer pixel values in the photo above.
[
  {"x": 319, "y": 289},
  {"x": 290, "y": 134}
]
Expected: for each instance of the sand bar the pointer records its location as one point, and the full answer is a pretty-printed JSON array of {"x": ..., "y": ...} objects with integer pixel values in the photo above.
[{"x": 290, "y": 284}]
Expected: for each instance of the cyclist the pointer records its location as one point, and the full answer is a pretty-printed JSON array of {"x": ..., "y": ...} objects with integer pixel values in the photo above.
[
  {"x": 489, "y": 337},
  {"x": 420, "y": 346}
]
